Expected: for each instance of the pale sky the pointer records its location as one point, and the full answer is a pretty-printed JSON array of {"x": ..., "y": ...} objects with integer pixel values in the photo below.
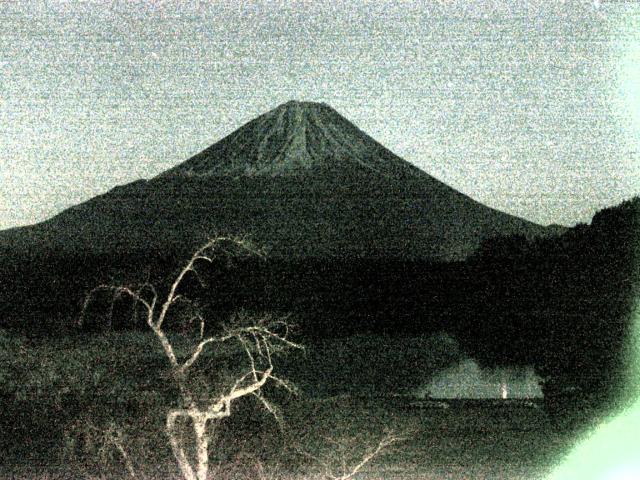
[{"x": 529, "y": 107}]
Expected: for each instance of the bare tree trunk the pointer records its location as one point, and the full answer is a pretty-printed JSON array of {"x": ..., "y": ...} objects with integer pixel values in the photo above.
[
  {"x": 199, "y": 421},
  {"x": 202, "y": 445},
  {"x": 178, "y": 451}
]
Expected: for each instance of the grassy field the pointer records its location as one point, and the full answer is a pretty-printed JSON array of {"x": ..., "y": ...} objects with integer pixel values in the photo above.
[{"x": 60, "y": 396}]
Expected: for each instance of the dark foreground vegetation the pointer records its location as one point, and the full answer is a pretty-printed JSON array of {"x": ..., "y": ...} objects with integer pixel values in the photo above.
[
  {"x": 76, "y": 399},
  {"x": 70, "y": 404}
]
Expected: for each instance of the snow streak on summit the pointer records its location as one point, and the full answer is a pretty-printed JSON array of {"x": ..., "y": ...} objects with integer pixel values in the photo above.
[{"x": 296, "y": 138}]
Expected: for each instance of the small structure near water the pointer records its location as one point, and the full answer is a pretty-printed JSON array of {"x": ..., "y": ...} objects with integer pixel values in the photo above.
[
  {"x": 503, "y": 390},
  {"x": 467, "y": 380}
]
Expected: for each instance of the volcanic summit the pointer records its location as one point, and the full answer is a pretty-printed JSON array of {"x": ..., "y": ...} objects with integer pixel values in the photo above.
[{"x": 296, "y": 139}]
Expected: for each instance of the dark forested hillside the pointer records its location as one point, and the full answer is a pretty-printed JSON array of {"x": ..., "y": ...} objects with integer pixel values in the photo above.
[{"x": 562, "y": 304}]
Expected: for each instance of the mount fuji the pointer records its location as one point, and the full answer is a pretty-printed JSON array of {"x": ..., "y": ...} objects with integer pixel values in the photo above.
[{"x": 302, "y": 181}]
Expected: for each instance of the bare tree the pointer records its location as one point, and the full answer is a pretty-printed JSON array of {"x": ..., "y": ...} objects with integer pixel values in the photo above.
[
  {"x": 342, "y": 461},
  {"x": 258, "y": 339}
]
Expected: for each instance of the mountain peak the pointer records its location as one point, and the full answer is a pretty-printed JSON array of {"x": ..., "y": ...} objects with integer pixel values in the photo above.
[
  {"x": 303, "y": 108},
  {"x": 296, "y": 138},
  {"x": 300, "y": 104}
]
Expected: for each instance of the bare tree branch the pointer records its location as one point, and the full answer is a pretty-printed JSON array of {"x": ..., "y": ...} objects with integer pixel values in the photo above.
[
  {"x": 196, "y": 353},
  {"x": 238, "y": 392},
  {"x": 259, "y": 339},
  {"x": 345, "y": 471},
  {"x": 384, "y": 443},
  {"x": 199, "y": 255}
]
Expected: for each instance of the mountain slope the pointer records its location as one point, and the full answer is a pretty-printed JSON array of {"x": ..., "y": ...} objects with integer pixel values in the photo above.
[
  {"x": 301, "y": 180},
  {"x": 296, "y": 139}
]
